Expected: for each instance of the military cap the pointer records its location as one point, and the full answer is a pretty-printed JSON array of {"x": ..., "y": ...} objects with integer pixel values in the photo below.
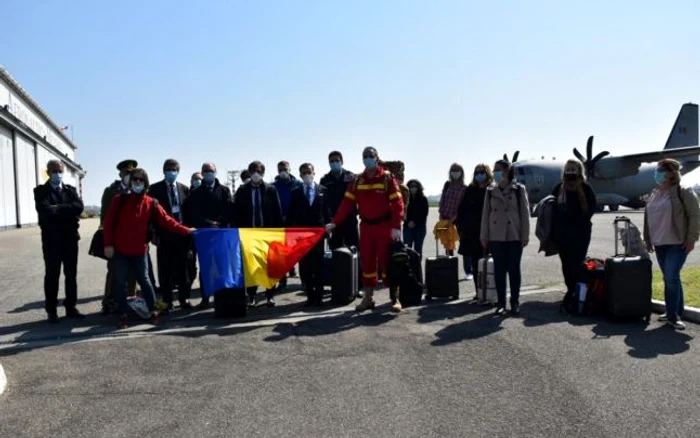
[{"x": 127, "y": 165}]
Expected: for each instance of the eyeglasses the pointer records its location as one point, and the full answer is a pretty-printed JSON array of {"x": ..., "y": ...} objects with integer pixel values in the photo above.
[{"x": 138, "y": 178}]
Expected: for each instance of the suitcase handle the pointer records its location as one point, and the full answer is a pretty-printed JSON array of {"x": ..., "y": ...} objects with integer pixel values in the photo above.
[{"x": 627, "y": 222}]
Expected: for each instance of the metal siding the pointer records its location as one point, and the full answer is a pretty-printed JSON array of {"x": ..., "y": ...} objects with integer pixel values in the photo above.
[
  {"x": 8, "y": 206},
  {"x": 26, "y": 180},
  {"x": 4, "y": 94}
]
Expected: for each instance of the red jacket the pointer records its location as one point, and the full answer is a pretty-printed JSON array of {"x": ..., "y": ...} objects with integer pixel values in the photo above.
[
  {"x": 130, "y": 237},
  {"x": 378, "y": 199}
]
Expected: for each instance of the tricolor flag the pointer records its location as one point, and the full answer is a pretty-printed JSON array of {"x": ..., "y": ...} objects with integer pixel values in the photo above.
[
  {"x": 244, "y": 257},
  {"x": 64, "y": 128}
]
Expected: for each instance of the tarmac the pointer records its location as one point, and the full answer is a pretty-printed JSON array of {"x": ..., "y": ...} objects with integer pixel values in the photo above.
[{"x": 446, "y": 368}]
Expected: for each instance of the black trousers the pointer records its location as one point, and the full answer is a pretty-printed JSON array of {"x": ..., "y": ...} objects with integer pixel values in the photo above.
[
  {"x": 60, "y": 249},
  {"x": 173, "y": 267},
  {"x": 572, "y": 254},
  {"x": 311, "y": 272}
]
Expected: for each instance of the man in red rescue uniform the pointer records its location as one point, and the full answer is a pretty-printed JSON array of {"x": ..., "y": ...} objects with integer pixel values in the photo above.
[{"x": 376, "y": 194}]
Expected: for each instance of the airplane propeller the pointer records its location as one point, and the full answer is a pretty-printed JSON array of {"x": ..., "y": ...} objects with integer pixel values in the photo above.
[
  {"x": 590, "y": 161},
  {"x": 515, "y": 157}
]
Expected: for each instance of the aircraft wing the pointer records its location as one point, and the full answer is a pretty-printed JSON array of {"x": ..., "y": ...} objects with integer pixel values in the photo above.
[
  {"x": 650, "y": 157},
  {"x": 626, "y": 165}
]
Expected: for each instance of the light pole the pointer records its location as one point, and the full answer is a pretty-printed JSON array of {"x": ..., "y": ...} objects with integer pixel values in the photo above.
[{"x": 232, "y": 177}]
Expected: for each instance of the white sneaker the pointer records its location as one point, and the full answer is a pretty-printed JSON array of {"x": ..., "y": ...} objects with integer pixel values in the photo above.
[
  {"x": 470, "y": 277},
  {"x": 678, "y": 325},
  {"x": 663, "y": 317}
]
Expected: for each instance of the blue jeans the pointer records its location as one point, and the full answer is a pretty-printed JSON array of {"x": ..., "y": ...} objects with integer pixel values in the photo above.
[
  {"x": 671, "y": 259},
  {"x": 139, "y": 266},
  {"x": 414, "y": 237},
  {"x": 506, "y": 260}
]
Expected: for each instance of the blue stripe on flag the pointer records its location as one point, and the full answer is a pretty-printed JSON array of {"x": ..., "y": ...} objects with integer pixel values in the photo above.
[{"x": 220, "y": 262}]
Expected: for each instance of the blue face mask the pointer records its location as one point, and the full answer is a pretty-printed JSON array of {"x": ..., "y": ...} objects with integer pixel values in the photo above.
[
  {"x": 413, "y": 190},
  {"x": 336, "y": 166},
  {"x": 660, "y": 176},
  {"x": 480, "y": 177},
  {"x": 209, "y": 177},
  {"x": 170, "y": 176},
  {"x": 137, "y": 188},
  {"x": 370, "y": 162},
  {"x": 55, "y": 179},
  {"x": 196, "y": 183},
  {"x": 497, "y": 176}
]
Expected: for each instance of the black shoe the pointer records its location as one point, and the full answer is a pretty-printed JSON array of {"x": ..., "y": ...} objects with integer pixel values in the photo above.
[
  {"x": 53, "y": 318},
  {"x": 318, "y": 303},
  {"x": 515, "y": 310},
  {"x": 204, "y": 304},
  {"x": 74, "y": 313},
  {"x": 186, "y": 305},
  {"x": 293, "y": 273},
  {"x": 271, "y": 302},
  {"x": 252, "y": 300},
  {"x": 500, "y": 310},
  {"x": 360, "y": 294},
  {"x": 309, "y": 303}
]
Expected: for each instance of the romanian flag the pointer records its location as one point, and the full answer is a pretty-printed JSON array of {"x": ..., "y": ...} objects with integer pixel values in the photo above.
[{"x": 244, "y": 257}]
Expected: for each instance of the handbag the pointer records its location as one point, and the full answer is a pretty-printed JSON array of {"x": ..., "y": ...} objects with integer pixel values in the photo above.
[{"x": 97, "y": 245}]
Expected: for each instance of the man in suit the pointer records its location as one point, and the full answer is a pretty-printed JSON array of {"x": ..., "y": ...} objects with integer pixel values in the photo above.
[
  {"x": 257, "y": 205},
  {"x": 118, "y": 187},
  {"x": 59, "y": 207},
  {"x": 309, "y": 208},
  {"x": 173, "y": 249},
  {"x": 209, "y": 206}
]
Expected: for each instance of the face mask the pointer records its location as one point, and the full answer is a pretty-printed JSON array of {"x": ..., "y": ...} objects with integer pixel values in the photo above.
[
  {"x": 370, "y": 162},
  {"x": 660, "y": 177},
  {"x": 455, "y": 175},
  {"x": 196, "y": 183},
  {"x": 570, "y": 177},
  {"x": 137, "y": 188},
  {"x": 126, "y": 180},
  {"x": 56, "y": 178},
  {"x": 413, "y": 190},
  {"x": 336, "y": 166},
  {"x": 284, "y": 174},
  {"x": 480, "y": 177},
  {"x": 170, "y": 176},
  {"x": 497, "y": 176},
  {"x": 256, "y": 178},
  {"x": 209, "y": 177},
  {"x": 308, "y": 179}
]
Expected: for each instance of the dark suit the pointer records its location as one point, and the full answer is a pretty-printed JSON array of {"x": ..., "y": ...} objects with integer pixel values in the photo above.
[
  {"x": 59, "y": 216},
  {"x": 173, "y": 250},
  {"x": 269, "y": 213},
  {"x": 316, "y": 214}
]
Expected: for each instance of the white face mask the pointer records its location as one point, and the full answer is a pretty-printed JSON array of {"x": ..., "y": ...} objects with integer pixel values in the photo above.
[
  {"x": 284, "y": 174},
  {"x": 455, "y": 175},
  {"x": 308, "y": 179},
  {"x": 256, "y": 178}
]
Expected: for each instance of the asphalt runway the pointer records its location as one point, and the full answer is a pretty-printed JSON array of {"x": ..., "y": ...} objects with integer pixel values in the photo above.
[{"x": 442, "y": 369}]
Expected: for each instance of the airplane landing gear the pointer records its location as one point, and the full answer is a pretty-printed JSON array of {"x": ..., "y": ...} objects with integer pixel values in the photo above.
[{"x": 614, "y": 207}]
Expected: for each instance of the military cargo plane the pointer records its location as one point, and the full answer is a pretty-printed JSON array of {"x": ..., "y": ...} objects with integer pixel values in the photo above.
[{"x": 617, "y": 180}]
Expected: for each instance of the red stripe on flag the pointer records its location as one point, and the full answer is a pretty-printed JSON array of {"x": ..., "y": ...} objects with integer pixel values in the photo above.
[{"x": 281, "y": 258}]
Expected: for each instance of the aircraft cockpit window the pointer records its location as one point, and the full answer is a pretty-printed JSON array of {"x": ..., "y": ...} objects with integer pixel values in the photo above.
[{"x": 521, "y": 171}]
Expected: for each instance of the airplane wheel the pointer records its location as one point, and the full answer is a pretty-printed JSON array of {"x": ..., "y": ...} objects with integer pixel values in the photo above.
[{"x": 614, "y": 207}]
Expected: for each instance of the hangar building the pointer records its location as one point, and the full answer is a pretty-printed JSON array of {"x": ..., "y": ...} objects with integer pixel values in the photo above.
[{"x": 28, "y": 140}]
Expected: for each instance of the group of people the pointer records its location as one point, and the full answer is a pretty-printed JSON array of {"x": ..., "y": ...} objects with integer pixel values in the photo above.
[{"x": 491, "y": 215}]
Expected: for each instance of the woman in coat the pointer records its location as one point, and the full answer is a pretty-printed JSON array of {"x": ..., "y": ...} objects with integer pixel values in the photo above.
[
  {"x": 469, "y": 216},
  {"x": 415, "y": 223},
  {"x": 505, "y": 231},
  {"x": 126, "y": 236},
  {"x": 671, "y": 228},
  {"x": 571, "y": 222}
]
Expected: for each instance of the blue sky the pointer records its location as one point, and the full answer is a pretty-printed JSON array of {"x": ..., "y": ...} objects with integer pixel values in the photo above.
[{"x": 426, "y": 82}]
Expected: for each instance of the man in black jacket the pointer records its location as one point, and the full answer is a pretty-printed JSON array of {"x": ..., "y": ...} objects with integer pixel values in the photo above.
[
  {"x": 173, "y": 250},
  {"x": 257, "y": 205},
  {"x": 59, "y": 207},
  {"x": 309, "y": 208},
  {"x": 209, "y": 206}
]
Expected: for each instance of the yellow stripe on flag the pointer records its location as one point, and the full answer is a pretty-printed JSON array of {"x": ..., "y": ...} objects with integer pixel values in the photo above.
[{"x": 255, "y": 243}]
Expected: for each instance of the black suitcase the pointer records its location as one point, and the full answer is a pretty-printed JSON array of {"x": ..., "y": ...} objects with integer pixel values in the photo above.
[
  {"x": 441, "y": 275},
  {"x": 230, "y": 303},
  {"x": 404, "y": 271},
  {"x": 627, "y": 280},
  {"x": 344, "y": 282}
]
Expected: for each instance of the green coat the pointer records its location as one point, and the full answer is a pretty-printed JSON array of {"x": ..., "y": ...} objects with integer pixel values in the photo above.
[{"x": 110, "y": 192}]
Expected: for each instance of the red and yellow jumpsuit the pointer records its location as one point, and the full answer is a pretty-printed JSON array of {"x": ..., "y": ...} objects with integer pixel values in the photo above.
[{"x": 380, "y": 205}]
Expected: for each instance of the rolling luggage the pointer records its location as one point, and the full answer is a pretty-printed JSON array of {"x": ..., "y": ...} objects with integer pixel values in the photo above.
[
  {"x": 486, "y": 281},
  {"x": 230, "y": 303},
  {"x": 327, "y": 267},
  {"x": 344, "y": 281},
  {"x": 627, "y": 279},
  {"x": 441, "y": 275},
  {"x": 404, "y": 271}
]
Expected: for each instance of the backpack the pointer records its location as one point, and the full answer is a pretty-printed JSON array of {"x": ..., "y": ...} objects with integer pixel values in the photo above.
[
  {"x": 405, "y": 271},
  {"x": 593, "y": 276}
]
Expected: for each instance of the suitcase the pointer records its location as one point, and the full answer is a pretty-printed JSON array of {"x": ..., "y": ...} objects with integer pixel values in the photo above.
[
  {"x": 486, "y": 281},
  {"x": 404, "y": 271},
  {"x": 627, "y": 280},
  {"x": 344, "y": 281},
  {"x": 230, "y": 303},
  {"x": 441, "y": 275},
  {"x": 327, "y": 268}
]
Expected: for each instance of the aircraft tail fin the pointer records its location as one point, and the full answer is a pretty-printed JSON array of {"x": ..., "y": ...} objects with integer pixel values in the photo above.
[{"x": 685, "y": 130}]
